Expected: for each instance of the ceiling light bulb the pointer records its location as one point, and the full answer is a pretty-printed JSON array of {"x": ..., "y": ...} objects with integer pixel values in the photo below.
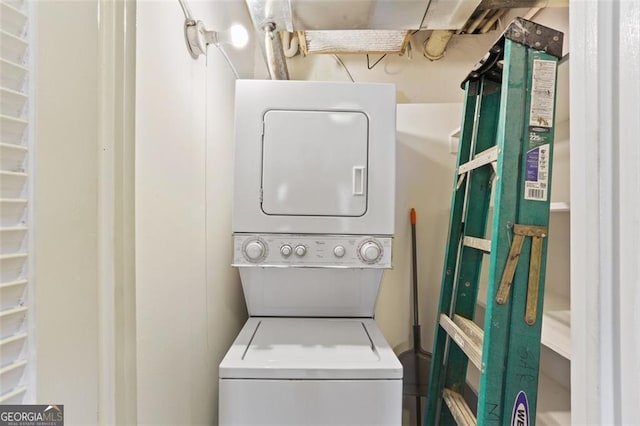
[
  {"x": 236, "y": 36},
  {"x": 239, "y": 36}
]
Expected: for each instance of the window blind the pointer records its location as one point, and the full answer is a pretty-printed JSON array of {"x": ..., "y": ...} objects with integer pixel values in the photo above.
[{"x": 15, "y": 145}]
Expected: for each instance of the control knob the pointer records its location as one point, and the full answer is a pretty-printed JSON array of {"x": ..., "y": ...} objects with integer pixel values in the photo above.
[
  {"x": 339, "y": 251},
  {"x": 300, "y": 250},
  {"x": 254, "y": 250},
  {"x": 286, "y": 250},
  {"x": 370, "y": 251}
]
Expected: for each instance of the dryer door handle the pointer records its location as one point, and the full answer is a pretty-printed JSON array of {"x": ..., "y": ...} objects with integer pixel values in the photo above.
[{"x": 358, "y": 180}]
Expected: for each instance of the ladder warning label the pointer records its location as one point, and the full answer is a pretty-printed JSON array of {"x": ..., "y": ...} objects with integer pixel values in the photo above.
[
  {"x": 537, "y": 178},
  {"x": 543, "y": 89}
]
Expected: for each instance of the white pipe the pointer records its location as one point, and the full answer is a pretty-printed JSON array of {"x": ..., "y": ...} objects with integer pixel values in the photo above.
[
  {"x": 436, "y": 44},
  {"x": 290, "y": 44},
  {"x": 476, "y": 22},
  {"x": 276, "y": 61},
  {"x": 531, "y": 13},
  {"x": 187, "y": 12},
  {"x": 491, "y": 21}
]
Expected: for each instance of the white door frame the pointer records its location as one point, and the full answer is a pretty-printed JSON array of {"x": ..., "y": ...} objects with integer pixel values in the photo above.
[
  {"x": 117, "y": 390},
  {"x": 605, "y": 229}
]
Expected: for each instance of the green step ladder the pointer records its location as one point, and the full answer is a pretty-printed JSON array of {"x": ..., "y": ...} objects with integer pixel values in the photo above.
[{"x": 505, "y": 154}]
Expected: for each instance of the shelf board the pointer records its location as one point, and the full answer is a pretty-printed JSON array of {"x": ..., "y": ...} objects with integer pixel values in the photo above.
[
  {"x": 554, "y": 403},
  {"x": 554, "y": 206},
  {"x": 554, "y": 400},
  {"x": 556, "y": 322},
  {"x": 559, "y": 206}
]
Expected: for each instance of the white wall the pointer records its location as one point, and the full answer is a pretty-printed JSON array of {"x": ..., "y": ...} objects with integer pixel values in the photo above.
[
  {"x": 189, "y": 301},
  {"x": 425, "y": 168},
  {"x": 66, "y": 215}
]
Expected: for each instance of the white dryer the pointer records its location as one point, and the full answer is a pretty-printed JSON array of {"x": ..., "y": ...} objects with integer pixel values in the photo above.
[{"x": 313, "y": 224}]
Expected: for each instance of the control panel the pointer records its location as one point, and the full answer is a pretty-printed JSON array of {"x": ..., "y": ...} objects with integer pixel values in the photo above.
[{"x": 320, "y": 251}]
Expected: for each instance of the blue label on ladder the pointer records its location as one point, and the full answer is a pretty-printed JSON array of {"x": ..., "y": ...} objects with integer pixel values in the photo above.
[
  {"x": 533, "y": 158},
  {"x": 537, "y": 173},
  {"x": 520, "y": 416}
]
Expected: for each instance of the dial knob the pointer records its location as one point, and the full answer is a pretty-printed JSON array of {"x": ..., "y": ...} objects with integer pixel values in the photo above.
[
  {"x": 286, "y": 250},
  {"x": 254, "y": 250},
  {"x": 300, "y": 250},
  {"x": 339, "y": 251},
  {"x": 370, "y": 251}
]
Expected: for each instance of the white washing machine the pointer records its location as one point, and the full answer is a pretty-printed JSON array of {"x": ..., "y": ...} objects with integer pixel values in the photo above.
[{"x": 313, "y": 224}]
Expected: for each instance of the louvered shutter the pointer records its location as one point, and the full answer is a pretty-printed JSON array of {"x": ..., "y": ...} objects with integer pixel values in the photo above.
[{"x": 15, "y": 145}]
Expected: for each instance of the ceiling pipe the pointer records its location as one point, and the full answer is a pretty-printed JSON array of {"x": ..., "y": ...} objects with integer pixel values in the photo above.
[
  {"x": 291, "y": 44},
  {"x": 436, "y": 44},
  {"x": 492, "y": 21},
  {"x": 532, "y": 13},
  {"x": 276, "y": 61},
  {"x": 476, "y": 22}
]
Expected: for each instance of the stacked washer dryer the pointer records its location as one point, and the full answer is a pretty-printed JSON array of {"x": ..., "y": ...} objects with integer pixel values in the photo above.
[{"x": 313, "y": 222}]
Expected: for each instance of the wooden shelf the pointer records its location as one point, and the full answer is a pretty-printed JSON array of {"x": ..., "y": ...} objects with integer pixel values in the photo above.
[
  {"x": 556, "y": 321},
  {"x": 556, "y": 324},
  {"x": 554, "y": 206},
  {"x": 554, "y": 403},
  {"x": 554, "y": 400},
  {"x": 560, "y": 206}
]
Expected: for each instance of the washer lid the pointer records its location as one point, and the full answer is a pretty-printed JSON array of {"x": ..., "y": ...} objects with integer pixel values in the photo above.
[{"x": 310, "y": 348}]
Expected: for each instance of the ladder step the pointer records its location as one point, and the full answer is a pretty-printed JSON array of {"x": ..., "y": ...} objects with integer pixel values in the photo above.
[
  {"x": 485, "y": 157},
  {"x": 477, "y": 243},
  {"x": 459, "y": 408},
  {"x": 467, "y": 335}
]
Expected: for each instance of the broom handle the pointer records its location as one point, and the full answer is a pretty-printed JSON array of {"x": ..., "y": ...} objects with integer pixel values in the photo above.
[{"x": 415, "y": 268}]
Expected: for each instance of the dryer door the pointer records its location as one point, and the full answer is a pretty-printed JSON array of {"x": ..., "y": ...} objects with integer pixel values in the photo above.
[{"x": 315, "y": 163}]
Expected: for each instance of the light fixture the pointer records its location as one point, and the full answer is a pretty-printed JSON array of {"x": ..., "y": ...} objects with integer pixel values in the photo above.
[{"x": 198, "y": 37}]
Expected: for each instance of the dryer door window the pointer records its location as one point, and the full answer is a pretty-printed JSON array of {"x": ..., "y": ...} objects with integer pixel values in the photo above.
[{"x": 315, "y": 163}]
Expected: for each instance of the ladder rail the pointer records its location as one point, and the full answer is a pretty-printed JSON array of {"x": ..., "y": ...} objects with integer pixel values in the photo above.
[
  {"x": 476, "y": 207},
  {"x": 522, "y": 369},
  {"x": 511, "y": 122},
  {"x": 451, "y": 254}
]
